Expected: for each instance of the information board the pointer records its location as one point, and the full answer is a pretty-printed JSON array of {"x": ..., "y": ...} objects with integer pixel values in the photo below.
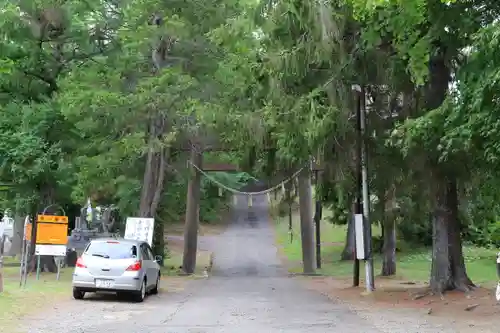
[{"x": 140, "y": 228}]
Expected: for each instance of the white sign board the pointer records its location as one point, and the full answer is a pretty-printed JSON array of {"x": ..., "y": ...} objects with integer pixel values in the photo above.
[
  {"x": 360, "y": 240},
  {"x": 140, "y": 228},
  {"x": 50, "y": 250},
  {"x": 7, "y": 226}
]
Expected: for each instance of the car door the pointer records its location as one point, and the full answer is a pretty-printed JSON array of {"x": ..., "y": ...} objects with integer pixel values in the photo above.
[
  {"x": 148, "y": 263},
  {"x": 154, "y": 264}
]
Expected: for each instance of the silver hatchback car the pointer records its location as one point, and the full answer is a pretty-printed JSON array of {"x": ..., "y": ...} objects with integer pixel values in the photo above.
[{"x": 117, "y": 265}]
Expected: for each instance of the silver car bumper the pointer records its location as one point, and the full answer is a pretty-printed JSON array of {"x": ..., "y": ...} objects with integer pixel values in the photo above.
[{"x": 129, "y": 281}]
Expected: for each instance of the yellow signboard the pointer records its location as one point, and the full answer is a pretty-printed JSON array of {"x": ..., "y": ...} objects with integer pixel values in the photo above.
[
  {"x": 52, "y": 233},
  {"x": 52, "y": 219}
]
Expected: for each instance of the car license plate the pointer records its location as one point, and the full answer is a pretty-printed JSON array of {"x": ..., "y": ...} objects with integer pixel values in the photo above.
[{"x": 104, "y": 283}]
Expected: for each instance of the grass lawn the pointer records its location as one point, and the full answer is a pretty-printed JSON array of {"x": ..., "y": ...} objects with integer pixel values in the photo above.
[
  {"x": 16, "y": 301},
  {"x": 411, "y": 265}
]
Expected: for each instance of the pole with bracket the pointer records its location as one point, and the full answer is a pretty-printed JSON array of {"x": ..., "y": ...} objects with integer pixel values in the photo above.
[
  {"x": 364, "y": 222},
  {"x": 369, "y": 270}
]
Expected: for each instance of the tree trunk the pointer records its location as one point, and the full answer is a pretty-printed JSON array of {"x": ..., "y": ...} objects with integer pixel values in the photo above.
[
  {"x": 16, "y": 246},
  {"x": 350, "y": 241},
  {"x": 306, "y": 222},
  {"x": 153, "y": 182},
  {"x": 448, "y": 270},
  {"x": 388, "y": 221},
  {"x": 389, "y": 247}
]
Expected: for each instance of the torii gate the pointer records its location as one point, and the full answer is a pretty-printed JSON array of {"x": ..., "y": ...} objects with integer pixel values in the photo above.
[{"x": 193, "y": 205}]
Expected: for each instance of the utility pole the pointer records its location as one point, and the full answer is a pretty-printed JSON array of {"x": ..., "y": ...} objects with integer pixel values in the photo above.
[
  {"x": 367, "y": 228},
  {"x": 370, "y": 280}
]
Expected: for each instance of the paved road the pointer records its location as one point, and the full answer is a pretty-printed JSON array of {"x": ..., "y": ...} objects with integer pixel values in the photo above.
[{"x": 248, "y": 292}]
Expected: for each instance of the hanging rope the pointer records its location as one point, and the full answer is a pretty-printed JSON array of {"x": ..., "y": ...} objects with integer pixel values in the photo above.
[{"x": 235, "y": 191}]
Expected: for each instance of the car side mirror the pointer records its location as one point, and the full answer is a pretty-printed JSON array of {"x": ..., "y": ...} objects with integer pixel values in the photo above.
[{"x": 158, "y": 259}]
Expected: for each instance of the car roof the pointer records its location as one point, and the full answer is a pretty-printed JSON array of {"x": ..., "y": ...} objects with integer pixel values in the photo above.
[{"x": 121, "y": 240}]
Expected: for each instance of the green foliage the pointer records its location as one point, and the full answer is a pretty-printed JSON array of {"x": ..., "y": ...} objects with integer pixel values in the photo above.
[{"x": 77, "y": 93}]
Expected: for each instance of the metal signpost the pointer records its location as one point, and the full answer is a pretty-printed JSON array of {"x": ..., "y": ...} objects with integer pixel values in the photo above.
[
  {"x": 25, "y": 250},
  {"x": 51, "y": 239}
]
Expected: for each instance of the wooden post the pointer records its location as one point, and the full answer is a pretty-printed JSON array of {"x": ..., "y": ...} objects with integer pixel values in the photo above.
[
  {"x": 306, "y": 221},
  {"x": 192, "y": 214}
]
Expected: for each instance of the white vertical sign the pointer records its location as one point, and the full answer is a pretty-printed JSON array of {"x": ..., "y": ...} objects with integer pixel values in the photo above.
[
  {"x": 360, "y": 240},
  {"x": 140, "y": 228}
]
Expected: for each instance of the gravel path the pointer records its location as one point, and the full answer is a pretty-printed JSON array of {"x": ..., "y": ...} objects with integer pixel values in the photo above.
[{"x": 248, "y": 292}]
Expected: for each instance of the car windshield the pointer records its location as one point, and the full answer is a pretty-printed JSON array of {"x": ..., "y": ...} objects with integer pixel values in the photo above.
[{"x": 112, "y": 250}]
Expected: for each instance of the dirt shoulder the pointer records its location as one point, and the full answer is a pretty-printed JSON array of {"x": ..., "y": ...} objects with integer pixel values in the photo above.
[{"x": 398, "y": 301}]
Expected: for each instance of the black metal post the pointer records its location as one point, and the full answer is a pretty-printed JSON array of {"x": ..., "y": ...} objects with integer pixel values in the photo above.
[
  {"x": 358, "y": 209},
  {"x": 317, "y": 219}
]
